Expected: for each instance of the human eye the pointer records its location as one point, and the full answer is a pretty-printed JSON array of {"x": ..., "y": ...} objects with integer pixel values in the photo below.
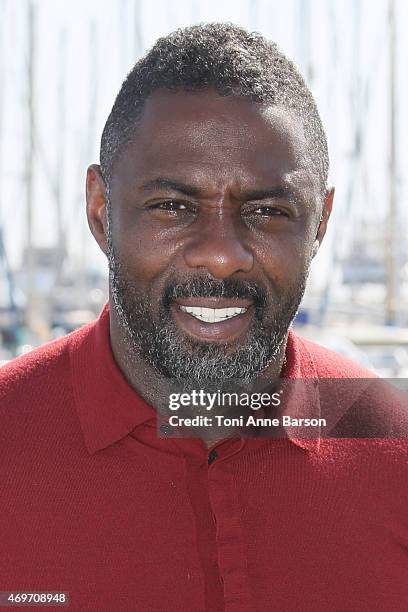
[
  {"x": 267, "y": 213},
  {"x": 270, "y": 207},
  {"x": 171, "y": 208},
  {"x": 270, "y": 211}
]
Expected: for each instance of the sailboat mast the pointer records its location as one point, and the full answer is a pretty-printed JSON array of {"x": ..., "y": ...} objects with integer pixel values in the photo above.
[
  {"x": 29, "y": 263},
  {"x": 391, "y": 276},
  {"x": 60, "y": 150}
]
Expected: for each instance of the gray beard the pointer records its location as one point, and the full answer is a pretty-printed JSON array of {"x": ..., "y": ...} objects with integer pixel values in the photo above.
[{"x": 193, "y": 364}]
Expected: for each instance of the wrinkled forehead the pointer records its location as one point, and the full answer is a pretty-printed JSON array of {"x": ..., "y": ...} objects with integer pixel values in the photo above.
[{"x": 199, "y": 130}]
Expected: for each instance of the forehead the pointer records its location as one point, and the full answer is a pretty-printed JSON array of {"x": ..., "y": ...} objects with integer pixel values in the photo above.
[{"x": 203, "y": 133}]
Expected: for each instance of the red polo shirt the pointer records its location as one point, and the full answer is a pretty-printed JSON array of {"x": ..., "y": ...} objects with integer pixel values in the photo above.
[{"x": 94, "y": 503}]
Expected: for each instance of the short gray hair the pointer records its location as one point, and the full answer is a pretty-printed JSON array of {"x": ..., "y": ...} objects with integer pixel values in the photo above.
[{"x": 229, "y": 59}]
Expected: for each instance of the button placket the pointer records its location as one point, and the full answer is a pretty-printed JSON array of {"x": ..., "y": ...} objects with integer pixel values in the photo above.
[{"x": 232, "y": 559}]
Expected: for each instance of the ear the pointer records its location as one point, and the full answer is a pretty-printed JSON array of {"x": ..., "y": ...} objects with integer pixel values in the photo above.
[
  {"x": 96, "y": 206},
  {"x": 324, "y": 219}
]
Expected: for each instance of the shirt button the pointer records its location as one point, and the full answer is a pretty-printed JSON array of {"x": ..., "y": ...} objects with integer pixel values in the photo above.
[
  {"x": 212, "y": 456},
  {"x": 166, "y": 429}
]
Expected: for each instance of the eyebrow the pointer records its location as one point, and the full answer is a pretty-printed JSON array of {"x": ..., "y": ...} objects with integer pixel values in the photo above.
[
  {"x": 265, "y": 194},
  {"x": 160, "y": 183},
  {"x": 163, "y": 183}
]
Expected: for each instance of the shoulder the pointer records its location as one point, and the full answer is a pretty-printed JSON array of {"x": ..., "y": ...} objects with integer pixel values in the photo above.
[
  {"x": 361, "y": 404},
  {"x": 328, "y": 363},
  {"x": 41, "y": 370}
]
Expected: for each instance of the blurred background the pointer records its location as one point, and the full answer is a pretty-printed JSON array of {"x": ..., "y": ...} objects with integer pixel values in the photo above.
[{"x": 61, "y": 66}]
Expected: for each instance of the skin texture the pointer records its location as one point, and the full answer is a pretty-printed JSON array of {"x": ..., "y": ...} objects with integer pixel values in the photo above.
[{"x": 256, "y": 214}]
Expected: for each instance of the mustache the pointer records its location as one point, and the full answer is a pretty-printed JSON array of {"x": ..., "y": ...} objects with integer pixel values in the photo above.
[{"x": 210, "y": 287}]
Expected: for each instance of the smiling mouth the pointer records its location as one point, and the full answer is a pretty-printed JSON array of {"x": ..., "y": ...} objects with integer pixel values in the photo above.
[
  {"x": 212, "y": 315},
  {"x": 213, "y": 319}
]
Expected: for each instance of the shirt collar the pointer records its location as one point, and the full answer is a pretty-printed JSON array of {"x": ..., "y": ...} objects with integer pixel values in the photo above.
[
  {"x": 109, "y": 408},
  {"x": 305, "y": 399}
]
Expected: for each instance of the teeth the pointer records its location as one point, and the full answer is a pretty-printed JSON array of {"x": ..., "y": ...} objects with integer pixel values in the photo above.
[{"x": 212, "y": 315}]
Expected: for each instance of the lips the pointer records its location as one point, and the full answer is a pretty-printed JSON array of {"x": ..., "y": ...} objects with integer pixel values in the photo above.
[
  {"x": 212, "y": 315},
  {"x": 213, "y": 319}
]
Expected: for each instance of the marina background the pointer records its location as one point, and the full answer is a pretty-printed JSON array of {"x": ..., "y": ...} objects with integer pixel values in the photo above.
[{"x": 61, "y": 65}]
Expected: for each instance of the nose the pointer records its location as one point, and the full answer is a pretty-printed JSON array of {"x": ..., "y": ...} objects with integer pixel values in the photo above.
[{"x": 217, "y": 246}]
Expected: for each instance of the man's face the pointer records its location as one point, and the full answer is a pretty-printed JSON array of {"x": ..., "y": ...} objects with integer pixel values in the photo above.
[{"x": 213, "y": 217}]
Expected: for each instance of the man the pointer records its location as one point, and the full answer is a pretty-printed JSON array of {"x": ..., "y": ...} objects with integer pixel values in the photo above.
[{"x": 210, "y": 202}]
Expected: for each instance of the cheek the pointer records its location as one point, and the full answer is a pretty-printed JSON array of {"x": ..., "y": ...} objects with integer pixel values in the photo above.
[
  {"x": 284, "y": 259},
  {"x": 144, "y": 253}
]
